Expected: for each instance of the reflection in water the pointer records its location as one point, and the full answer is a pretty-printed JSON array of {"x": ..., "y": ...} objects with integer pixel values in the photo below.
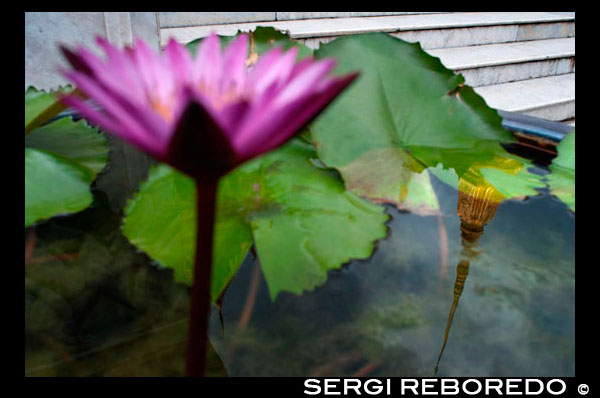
[
  {"x": 95, "y": 306},
  {"x": 462, "y": 271},
  {"x": 477, "y": 204}
]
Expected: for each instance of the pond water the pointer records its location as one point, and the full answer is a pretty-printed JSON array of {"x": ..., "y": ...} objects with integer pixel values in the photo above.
[{"x": 96, "y": 306}]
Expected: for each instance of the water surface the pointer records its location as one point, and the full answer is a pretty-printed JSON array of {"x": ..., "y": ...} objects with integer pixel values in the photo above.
[{"x": 97, "y": 306}]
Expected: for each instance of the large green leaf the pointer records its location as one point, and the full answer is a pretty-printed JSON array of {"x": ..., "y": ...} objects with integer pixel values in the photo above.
[
  {"x": 562, "y": 176},
  {"x": 54, "y": 185},
  {"x": 405, "y": 113},
  {"x": 301, "y": 218}
]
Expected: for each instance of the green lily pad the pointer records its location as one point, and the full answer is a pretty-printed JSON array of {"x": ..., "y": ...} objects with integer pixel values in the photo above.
[
  {"x": 262, "y": 39},
  {"x": 266, "y": 38},
  {"x": 70, "y": 153},
  {"x": 406, "y": 112},
  {"x": 390, "y": 175},
  {"x": 507, "y": 173},
  {"x": 301, "y": 219},
  {"x": 566, "y": 153},
  {"x": 562, "y": 176},
  {"x": 169, "y": 235},
  {"x": 41, "y": 106},
  {"x": 523, "y": 183},
  {"x": 54, "y": 185},
  {"x": 75, "y": 140},
  {"x": 562, "y": 185}
]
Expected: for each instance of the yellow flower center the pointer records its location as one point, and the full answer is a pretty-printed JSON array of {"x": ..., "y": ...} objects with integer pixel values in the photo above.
[{"x": 164, "y": 110}]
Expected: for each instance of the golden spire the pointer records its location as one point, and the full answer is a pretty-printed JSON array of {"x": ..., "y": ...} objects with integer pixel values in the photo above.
[
  {"x": 477, "y": 204},
  {"x": 462, "y": 271},
  {"x": 478, "y": 199}
]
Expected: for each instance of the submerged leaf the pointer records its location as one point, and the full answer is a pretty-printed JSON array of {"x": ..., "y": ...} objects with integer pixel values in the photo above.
[{"x": 300, "y": 217}]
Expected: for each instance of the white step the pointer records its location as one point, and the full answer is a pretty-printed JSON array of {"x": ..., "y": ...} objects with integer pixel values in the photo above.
[
  {"x": 478, "y": 35},
  {"x": 518, "y": 61},
  {"x": 285, "y": 16},
  {"x": 179, "y": 19},
  {"x": 436, "y": 30},
  {"x": 501, "y": 63},
  {"x": 550, "y": 97}
]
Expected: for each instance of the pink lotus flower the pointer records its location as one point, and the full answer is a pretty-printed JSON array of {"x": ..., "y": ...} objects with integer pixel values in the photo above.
[{"x": 204, "y": 115}]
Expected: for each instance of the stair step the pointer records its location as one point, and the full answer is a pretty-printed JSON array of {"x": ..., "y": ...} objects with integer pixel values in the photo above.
[
  {"x": 465, "y": 28},
  {"x": 551, "y": 98},
  {"x": 501, "y": 63},
  {"x": 478, "y": 35},
  {"x": 518, "y": 61},
  {"x": 179, "y": 19},
  {"x": 282, "y": 16}
]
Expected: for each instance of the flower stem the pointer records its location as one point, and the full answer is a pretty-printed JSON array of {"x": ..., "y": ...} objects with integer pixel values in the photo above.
[{"x": 206, "y": 192}]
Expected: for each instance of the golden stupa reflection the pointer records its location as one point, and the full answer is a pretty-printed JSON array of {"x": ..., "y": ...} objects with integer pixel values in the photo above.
[{"x": 478, "y": 201}]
